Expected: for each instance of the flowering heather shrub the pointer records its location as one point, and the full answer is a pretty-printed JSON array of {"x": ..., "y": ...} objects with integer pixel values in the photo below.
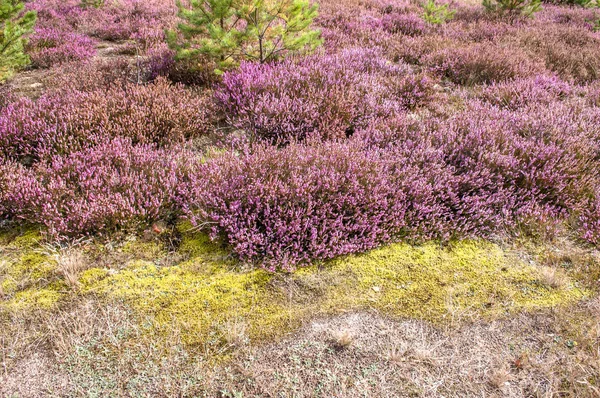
[
  {"x": 158, "y": 113},
  {"x": 481, "y": 172},
  {"x": 572, "y": 16},
  {"x": 406, "y": 24},
  {"x": 144, "y": 21},
  {"x": 96, "y": 74},
  {"x": 482, "y": 63},
  {"x": 49, "y": 46},
  {"x": 573, "y": 53},
  {"x": 482, "y": 31},
  {"x": 12, "y": 177},
  {"x": 63, "y": 15},
  {"x": 527, "y": 163},
  {"x": 526, "y": 91},
  {"x": 592, "y": 94},
  {"x": 589, "y": 220},
  {"x": 113, "y": 186},
  {"x": 314, "y": 202},
  {"x": 325, "y": 95},
  {"x": 413, "y": 90},
  {"x": 416, "y": 50}
]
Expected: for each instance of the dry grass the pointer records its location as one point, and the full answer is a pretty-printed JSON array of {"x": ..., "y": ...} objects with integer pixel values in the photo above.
[
  {"x": 70, "y": 263},
  {"x": 94, "y": 346}
]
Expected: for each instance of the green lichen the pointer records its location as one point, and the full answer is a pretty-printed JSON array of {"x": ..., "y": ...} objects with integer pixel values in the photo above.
[
  {"x": 427, "y": 281},
  {"x": 431, "y": 282},
  {"x": 23, "y": 264}
]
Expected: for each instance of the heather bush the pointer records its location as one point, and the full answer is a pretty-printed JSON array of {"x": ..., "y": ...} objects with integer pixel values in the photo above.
[
  {"x": 113, "y": 186},
  {"x": 484, "y": 171},
  {"x": 522, "y": 92},
  {"x": 61, "y": 123},
  {"x": 528, "y": 162},
  {"x": 482, "y": 63},
  {"x": 589, "y": 220},
  {"x": 315, "y": 202},
  {"x": 96, "y": 74},
  {"x": 49, "y": 46},
  {"x": 573, "y": 53},
  {"x": 231, "y": 32},
  {"x": 329, "y": 96},
  {"x": 406, "y": 24},
  {"x": 14, "y": 26}
]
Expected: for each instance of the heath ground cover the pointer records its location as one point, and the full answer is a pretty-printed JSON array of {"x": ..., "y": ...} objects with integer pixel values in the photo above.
[{"x": 260, "y": 181}]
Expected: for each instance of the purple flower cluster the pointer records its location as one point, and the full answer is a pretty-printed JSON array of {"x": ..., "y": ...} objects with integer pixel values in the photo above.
[
  {"x": 114, "y": 185},
  {"x": 57, "y": 124},
  {"x": 481, "y": 172},
  {"x": 522, "y": 92},
  {"x": 327, "y": 96},
  {"x": 396, "y": 130},
  {"x": 50, "y": 46}
]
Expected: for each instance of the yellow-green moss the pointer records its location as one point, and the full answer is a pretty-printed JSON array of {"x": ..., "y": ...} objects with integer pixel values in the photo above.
[
  {"x": 144, "y": 250},
  {"x": 425, "y": 281},
  {"x": 32, "y": 264},
  {"x": 198, "y": 244},
  {"x": 92, "y": 276},
  {"x": 33, "y": 299},
  {"x": 28, "y": 239}
]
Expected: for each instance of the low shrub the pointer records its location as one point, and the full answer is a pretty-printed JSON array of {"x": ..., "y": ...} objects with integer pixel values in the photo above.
[
  {"x": 406, "y": 24},
  {"x": 113, "y": 186},
  {"x": 521, "y": 92},
  {"x": 482, "y": 63},
  {"x": 314, "y": 202},
  {"x": 62, "y": 123},
  {"x": 482, "y": 172},
  {"x": 329, "y": 96},
  {"x": 589, "y": 220},
  {"x": 572, "y": 52},
  {"x": 50, "y": 46}
]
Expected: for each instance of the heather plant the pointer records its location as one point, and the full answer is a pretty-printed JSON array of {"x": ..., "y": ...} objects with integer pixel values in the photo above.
[
  {"x": 51, "y": 46},
  {"x": 513, "y": 7},
  {"x": 258, "y": 30},
  {"x": 437, "y": 14},
  {"x": 328, "y": 96},
  {"x": 483, "y": 171},
  {"x": 522, "y": 92},
  {"x": 113, "y": 186},
  {"x": 589, "y": 220},
  {"x": 406, "y": 24},
  {"x": 572, "y": 52},
  {"x": 57, "y": 124},
  {"x": 315, "y": 202},
  {"x": 482, "y": 63},
  {"x": 14, "y": 26}
]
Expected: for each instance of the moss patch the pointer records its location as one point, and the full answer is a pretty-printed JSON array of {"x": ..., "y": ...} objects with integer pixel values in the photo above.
[
  {"x": 202, "y": 297},
  {"x": 34, "y": 299},
  {"x": 23, "y": 265},
  {"x": 27, "y": 275}
]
